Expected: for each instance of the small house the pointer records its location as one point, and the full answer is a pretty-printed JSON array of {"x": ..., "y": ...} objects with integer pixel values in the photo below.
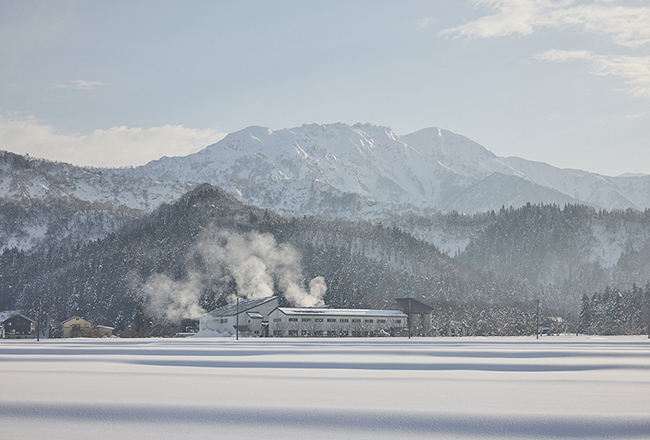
[
  {"x": 75, "y": 327},
  {"x": 17, "y": 326}
]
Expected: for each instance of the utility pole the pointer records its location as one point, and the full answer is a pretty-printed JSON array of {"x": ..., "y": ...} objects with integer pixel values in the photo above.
[
  {"x": 537, "y": 320},
  {"x": 38, "y": 322},
  {"x": 237, "y": 322},
  {"x": 410, "y": 321},
  {"x": 647, "y": 301}
]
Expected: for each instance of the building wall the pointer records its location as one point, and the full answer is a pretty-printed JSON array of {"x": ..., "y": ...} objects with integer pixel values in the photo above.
[
  {"x": 224, "y": 324},
  {"x": 219, "y": 324},
  {"x": 73, "y": 328},
  {"x": 320, "y": 325},
  {"x": 19, "y": 327},
  {"x": 104, "y": 331}
]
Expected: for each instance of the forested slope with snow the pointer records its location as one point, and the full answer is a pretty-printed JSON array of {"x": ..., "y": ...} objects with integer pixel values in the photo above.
[
  {"x": 363, "y": 264},
  {"x": 49, "y": 204}
]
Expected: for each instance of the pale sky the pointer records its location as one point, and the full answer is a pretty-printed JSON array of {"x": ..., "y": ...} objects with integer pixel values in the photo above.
[{"x": 116, "y": 83}]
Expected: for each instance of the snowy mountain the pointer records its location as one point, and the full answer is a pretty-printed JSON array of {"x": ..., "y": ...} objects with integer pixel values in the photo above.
[
  {"x": 45, "y": 202},
  {"x": 365, "y": 171},
  {"x": 24, "y": 179},
  {"x": 622, "y": 192}
]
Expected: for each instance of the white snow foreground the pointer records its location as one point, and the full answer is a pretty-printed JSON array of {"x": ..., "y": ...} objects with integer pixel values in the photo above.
[{"x": 444, "y": 388}]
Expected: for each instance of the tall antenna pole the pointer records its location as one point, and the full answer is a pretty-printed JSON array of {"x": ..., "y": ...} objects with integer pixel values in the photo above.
[
  {"x": 537, "y": 320},
  {"x": 410, "y": 321},
  {"x": 237, "y": 322},
  {"x": 38, "y": 324}
]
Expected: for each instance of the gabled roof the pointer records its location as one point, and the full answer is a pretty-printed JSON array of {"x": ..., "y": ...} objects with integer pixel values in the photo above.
[
  {"x": 244, "y": 305},
  {"x": 319, "y": 311},
  {"x": 6, "y": 316},
  {"x": 75, "y": 317}
]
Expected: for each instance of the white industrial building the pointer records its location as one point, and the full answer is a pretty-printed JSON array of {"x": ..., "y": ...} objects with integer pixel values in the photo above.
[
  {"x": 317, "y": 321},
  {"x": 263, "y": 317},
  {"x": 251, "y": 315}
]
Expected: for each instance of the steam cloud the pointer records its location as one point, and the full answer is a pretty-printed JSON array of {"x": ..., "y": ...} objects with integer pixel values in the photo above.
[{"x": 254, "y": 262}]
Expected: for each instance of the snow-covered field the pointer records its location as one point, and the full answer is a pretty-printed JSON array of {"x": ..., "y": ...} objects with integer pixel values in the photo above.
[{"x": 451, "y": 388}]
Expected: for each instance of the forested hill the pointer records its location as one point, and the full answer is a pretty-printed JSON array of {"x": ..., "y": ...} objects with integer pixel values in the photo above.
[
  {"x": 576, "y": 249},
  {"x": 109, "y": 281}
]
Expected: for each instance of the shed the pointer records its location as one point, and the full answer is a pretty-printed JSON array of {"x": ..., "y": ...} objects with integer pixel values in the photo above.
[{"x": 419, "y": 315}]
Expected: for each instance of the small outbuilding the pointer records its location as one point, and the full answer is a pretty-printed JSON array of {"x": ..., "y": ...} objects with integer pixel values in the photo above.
[
  {"x": 103, "y": 331},
  {"x": 419, "y": 315}
]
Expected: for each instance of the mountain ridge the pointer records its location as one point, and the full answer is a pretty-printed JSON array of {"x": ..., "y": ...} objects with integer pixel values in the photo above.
[{"x": 427, "y": 169}]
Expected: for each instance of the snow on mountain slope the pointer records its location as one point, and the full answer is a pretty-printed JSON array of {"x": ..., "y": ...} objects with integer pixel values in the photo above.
[
  {"x": 634, "y": 188},
  {"x": 23, "y": 179},
  {"x": 429, "y": 169},
  {"x": 458, "y": 153},
  {"x": 499, "y": 190},
  {"x": 372, "y": 162},
  {"x": 589, "y": 188},
  {"x": 367, "y": 172},
  {"x": 50, "y": 203},
  {"x": 366, "y": 160}
]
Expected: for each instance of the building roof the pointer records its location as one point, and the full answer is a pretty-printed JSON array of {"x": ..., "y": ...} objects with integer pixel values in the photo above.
[
  {"x": 14, "y": 315},
  {"x": 321, "y": 311},
  {"x": 75, "y": 317},
  {"x": 244, "y": 306},
  {"x": 8, "y": 314},
  {"x": 414, "y": 305}
]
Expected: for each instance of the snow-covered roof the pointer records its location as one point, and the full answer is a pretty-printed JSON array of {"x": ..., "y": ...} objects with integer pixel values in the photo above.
[
  {"x": 75, "y": 317},
  {"x": 255, "y": 315},
  {"x": 341, "y": 312},
  {"x": 244, "y": 305},
  {"x": 8, "y": 314}
]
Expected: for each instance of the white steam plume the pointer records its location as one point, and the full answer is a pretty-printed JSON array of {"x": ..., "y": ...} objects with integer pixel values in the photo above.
[
  {"x": 174, "y": 300},
  {"x": 255, "y": 262}
]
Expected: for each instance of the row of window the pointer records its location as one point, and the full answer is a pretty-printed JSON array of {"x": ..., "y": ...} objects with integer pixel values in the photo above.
[
  {"x": 329, "y": 333},
  {"x": 343, "y": 320}
]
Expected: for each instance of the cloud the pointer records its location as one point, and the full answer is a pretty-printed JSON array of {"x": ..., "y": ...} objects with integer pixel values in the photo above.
[
  {"x": 635, "y": 116},
  {"x": 635, "y": 70},
  {"x": 113, "y": 147},
  {"x": 626, "y": 26},
  {"x": 424, "y": 23},
  {"x": 80, "y": 85}
]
